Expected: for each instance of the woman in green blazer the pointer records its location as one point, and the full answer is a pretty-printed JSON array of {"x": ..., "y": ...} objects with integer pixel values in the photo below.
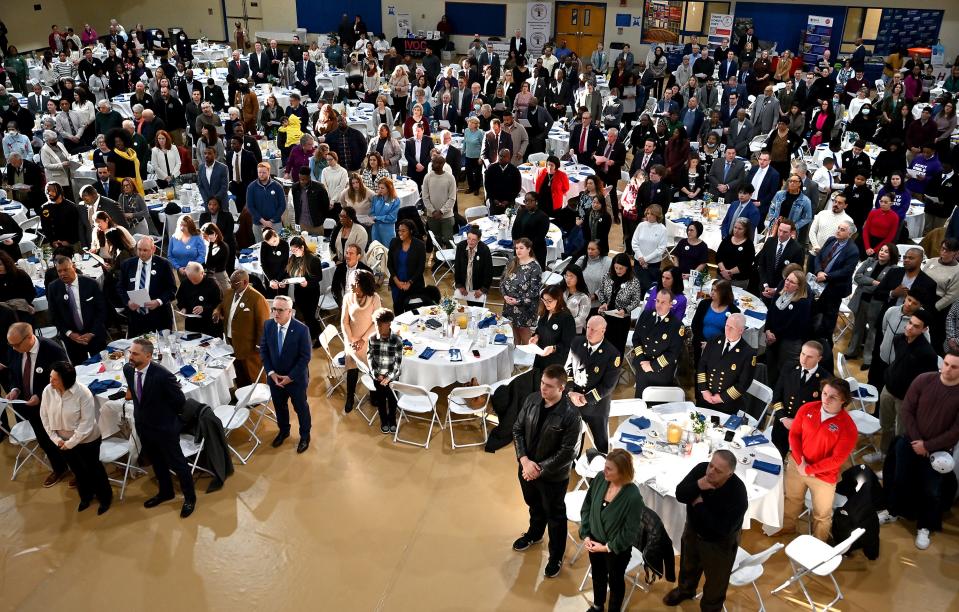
[{"x": 610, "y": 524}]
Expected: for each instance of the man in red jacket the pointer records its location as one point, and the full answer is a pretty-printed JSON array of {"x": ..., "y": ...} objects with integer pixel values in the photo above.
[{"x": 820, "y": 440}]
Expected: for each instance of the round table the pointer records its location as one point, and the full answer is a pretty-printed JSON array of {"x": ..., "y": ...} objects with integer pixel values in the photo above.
[
  {"x": 557, "y": 141},
  {"x": 491, "y": 226},
  {"x": 248, "y": 259},
  {"x": 684, "y": 213},
  {"x": 495, "y": 362},
  {"x": 577, "y": 174},
  {"x": 659, "y": 468},
  {"x": 211, "y": 53},
  {"x": 406, "y": 191},
  {"x": 338, "y": 77}
]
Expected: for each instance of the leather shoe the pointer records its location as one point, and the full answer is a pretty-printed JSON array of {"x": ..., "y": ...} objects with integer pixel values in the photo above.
[
  {"x": 216, "y": 485},
  {"x": 303, "y": 445},
  {"x": 84, "y": 504},
  {"x": 675, "y": 597},
  {"x": 103, "y": 508},
  {"x": 278, "y": 440},
  {"x": 53, "y": 479},
  {"x": 187, "y": 509},
  {"x": 156, "y": 500}
]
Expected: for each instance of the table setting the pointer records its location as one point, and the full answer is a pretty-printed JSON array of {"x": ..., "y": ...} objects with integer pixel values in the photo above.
[
  {"x": 710, "y": 214},
  {"x": 668, "y": 440},
  {"x": 440, "y": 349},
  {"x": 248, "y": 259},
  {"x": 85, "y": 264},
  {"x": 497, "y": 235}
]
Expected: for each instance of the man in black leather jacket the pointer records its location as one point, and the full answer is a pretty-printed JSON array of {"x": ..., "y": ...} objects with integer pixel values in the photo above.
[{"x": 545, "y": 435}]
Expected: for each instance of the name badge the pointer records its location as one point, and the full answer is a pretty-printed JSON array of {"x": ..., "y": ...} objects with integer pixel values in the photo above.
[{"x": 200, "y": 298}]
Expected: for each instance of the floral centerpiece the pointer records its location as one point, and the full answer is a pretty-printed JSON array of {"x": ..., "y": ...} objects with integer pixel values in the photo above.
[
  {"x": 449, "y": 305},
  {"x": 697, "y": 421}
]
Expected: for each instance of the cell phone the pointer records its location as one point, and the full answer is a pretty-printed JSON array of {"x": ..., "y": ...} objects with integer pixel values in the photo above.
[
  {"x": 476, "y": 353},
  {"x": 729, "y": 436},
  {"x": 714, "y": 420}
]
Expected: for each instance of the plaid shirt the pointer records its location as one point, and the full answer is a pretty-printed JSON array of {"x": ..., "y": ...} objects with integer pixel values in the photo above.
[{"x": 385, "y": 355}]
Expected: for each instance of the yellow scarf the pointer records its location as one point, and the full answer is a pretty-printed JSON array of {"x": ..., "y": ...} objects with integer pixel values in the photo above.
[{"x": 131, "y": 155}]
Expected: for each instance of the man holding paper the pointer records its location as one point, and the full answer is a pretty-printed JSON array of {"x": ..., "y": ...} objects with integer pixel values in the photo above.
[
  {"x": 197, "y": 298},
  {"x": 147, "y": 286}
]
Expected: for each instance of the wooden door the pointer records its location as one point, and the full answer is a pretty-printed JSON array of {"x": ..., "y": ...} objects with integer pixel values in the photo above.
[{"x": 582, "y": 26}]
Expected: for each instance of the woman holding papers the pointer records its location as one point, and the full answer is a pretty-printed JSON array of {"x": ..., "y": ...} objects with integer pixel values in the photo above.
[
  {"x": 555, "y": 329},
  {"x": 305, "y": 273}
]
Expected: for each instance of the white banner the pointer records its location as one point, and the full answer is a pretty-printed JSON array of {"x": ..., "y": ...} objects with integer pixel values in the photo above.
[
  {"x": 538, "y": 26},
  {"x": 720, "y": 29},
  {"x": 404, "y": 23},
  {"x": 815, "y": 20}
]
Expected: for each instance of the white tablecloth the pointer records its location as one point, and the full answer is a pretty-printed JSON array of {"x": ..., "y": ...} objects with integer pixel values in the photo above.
[
  {"x": 490, "y": 226},
  {"x": 744, "y": 300},
  {"x": 407, "y": 191},
  {"x": 494, "y": 363},
  {"x": 659, "y": 471},
  {"x": 915, "y": 219},
  {"x": 249, "y": 259},
  {"x": 211, "y": 53},
  {"x": 712, "y": 228},
  {"x": 85, "y": 265},
  {"x": 337, "y": 76},
  {"x": 577, "y": 175}
]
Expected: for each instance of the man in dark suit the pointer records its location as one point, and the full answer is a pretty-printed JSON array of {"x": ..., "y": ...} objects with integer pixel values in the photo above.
[
  {"x": 743, "y": 206},
  {"x": 725, "y": 369},
  {"x": 37, "y": 100},
  {"x": 95, "y": 202},
  {"x": 608, "y": 159},
  {"x": 775, "y": 256},
  {"x": 748, "y": 37},
  {"x": 646, "y": 159},
  {"x": 768, "y": 181},
  {"x": 155, "y": 274},
  {"x": 446, "y": 111},
  {"x": 540, "y": 123},
  {"x": 29, "y": 365},
  {"x": 495, "y": 141},
  {"x": 199, "y": 295},
  {"x": 503, "y": 184},
  {"x": 796, "y": 386},
  {"x": 470, "y": 100},
  {"x": 532, "y": 223},
  {"x": 213, "y": 179},
  {"x": 517, "y": 43},
  {"x": 106, "y": 186},
  {"x": 584, "y": 140},
  {"x": 78, "y": 310},
  {"x": 473, "y": 268},
  {"x": 728, "y": 67},
  {"x": 490, "y": 59},
  {"x": 592, "y": 371},
  {"x": 726, "y": 176},
  {"x": 346, "y": 270},
  {"x": 26, "y": 172},
  {"x": 658, "y": 344},
  {"x": 285, "y": 351},
  {"x": 259, "y": 63},
  {"x": 250, "y": 143},
  {"x": 242, "y": 167},
  {"x": 855, "y": 162},
  {"x": 157, "y": 404},
  {"x": 311, "y": 194},
  {"x": 834, "y": 267},
  {"x": 306, "y": 76},
  {"x": 237, "y": 68},
  {"x": 559, "y": 95},
  {"x": 274, "y": 55},
  {"x": 417, "y": 155}
]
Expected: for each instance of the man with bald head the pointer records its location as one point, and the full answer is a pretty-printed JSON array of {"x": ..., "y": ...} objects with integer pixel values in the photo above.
[
  {"x": 726, "y": 368},
  {"x": 154, "y": 274},
  {"x": 197, "y": 298},
  {"x": 592, "y": 371}
]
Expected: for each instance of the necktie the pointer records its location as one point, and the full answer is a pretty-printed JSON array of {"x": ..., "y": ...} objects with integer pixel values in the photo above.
[
  {"x": 726, "y": 172},
  {"x": 805, "y": 376},
  {"x": 70, "y": 121},
  {"x": 645, "y": 161},
  {"x": 446, "y": 109},
  {"x": 469, "y": 269},
  {"x": 725, "y": 348},
  {"x": 236, "y": 167},
  {"x": 779, "y": 253},
  {"x": 281, "y": 332},
  {"x": 72, "y": 301},
  {"x": 143, "y": 283},
  {"x": 27, "y": 369},
  {"x": 828, "y": 256},
  {"x": 139, "y": 386},
  {"x": 582, "y": 139},
  {"x": 106, "y": 187}
]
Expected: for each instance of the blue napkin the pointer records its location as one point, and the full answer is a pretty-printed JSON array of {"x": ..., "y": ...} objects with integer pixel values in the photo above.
[
  {"x": 499, "y": 339},
  {"x": 33, "y": 259},
  {"x": 549, "y": 242},
  {"x": 427, "y": 353},
  {"x": 326, "y": 264},
  {"x": 247, "y": 251},
  {"x": 641, "y": 422},
  {"x": 407, "y": 343},
  {"x": 634, "y": 449},
  {"x": 487, "y": 322},
  {"x": 683, "y": 220},
  {"x": 766, "y": 466},
  {"x": 756, "y": 315},
  {"x": 464, "y": 229},
  {"x": 99, "y": 386},
  {"x": 92, "y": 359},
  {"x": 40, "y": 291},
  {"x": 733, "y": 421},
  {"x": 573, "y": 179},
  {"x": 755, "y": 440},
  {"x": 505, "y": 243},
  {"x": 342, "y": 360},
  {"x": 187, "y": 371},
  {"x": 631, "y": 437},
  {"x": 247, "y": 259},
  {"x": 489, "y": 240}
]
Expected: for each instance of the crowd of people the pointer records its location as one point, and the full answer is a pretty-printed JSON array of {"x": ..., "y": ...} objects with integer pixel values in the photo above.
[{"x": 803, "y": 241}]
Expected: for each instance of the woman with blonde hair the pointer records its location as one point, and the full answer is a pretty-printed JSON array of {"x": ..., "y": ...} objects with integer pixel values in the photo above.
[
  {"x": 784, "y": 67},
  {"x": 318, "y": 161},
  {"x": 359, "y": 197},
  {"x": 416, "y": 117},
  {"x": 186, "y": 245},
  {"x": 400, "y": 88}
]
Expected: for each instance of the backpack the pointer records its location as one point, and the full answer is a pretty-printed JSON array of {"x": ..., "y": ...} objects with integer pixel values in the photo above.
[{"x": 376, "y": 256}]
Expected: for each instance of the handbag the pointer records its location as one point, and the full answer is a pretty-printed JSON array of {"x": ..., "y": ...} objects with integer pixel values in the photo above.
[{"x": 475, "y": 403}]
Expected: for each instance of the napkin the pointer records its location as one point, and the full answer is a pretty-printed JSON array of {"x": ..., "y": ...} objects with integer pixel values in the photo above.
[
  {"x": 733, "y": 421},
  {"x": 487, "y": 322},
  {"x": 326, "y": 264},
  {"x": 246, "y": 251},
  {"x": 99, "y": 386},
  {"x": 573, "y": 179},
  {"x": 407, "y": 343},
  {"x": 549, "y": 242},
  {"x": 755, "y": 440},
  {"x": 631, "y": 437},
  {"x": 427, "y": 353},
  {"x": 683, "y": 220},
  {"x": 33, "y": 259},
  {"x": 634, "y": 449},
  {"x": 41, "y": 291},
  {"x": 499, "y": 339},
  {"x": 766, "y": 466},
  {"x": 641, "y": 422},
  {"x": 92, "y": 359},
  {"x": 505, "y": 243},
  {"x": 247, "y": 259},
  {"x": 489, "y": 240},
  {"x": 756, "y": 315},
  {"x": 187, "y": 371}
]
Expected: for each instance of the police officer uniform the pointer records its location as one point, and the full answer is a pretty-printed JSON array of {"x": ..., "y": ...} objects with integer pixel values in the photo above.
[
  {"x": 790, "y": 393},
  {"x": 594, "y": 372},
  {"x": 726, "y": 372},
  {"x": 658, "y": 340}
]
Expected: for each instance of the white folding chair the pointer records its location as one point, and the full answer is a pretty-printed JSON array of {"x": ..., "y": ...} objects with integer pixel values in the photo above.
[
  {"x": 446, "y": 257},
  {"x": 366, "y": 379},
  {"x": 574, "y": 507},
  {"x": 192, "y": 451},
  {"x": 550, "y": 278},
  {"x": 559, "y": 266},
  {"x": 24, "y": 438},
  {"x": 119, "y": 452},
  {"x": 336, "y": 364},
  {"x": 535, "y": 158},
  {"x": 864, "y": 393},
  {"x": 661, "y": 395},
  {"x": 234, "y": 417},
  {"x": 411, "y": 402},
  {"x": 747, "y": 569},
  {"x": 866, "y": 424},
  {"x": 624, "y": 408},
  {"x": 258, "y": 400},
  {"x": 765, "y": 395},
  {"x": 499, "y": 262},
  {"x": 587, "y": 469},
  {"x": 456, "y": 404},
  {"x": 809, "y": 555},
  {"x": 476, "y": 212}
]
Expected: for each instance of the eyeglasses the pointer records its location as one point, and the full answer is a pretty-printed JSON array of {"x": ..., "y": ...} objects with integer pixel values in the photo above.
[{"x": 275, "y": 309}]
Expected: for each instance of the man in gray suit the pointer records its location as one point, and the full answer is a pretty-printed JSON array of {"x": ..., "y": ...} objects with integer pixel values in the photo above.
[
  {"x": 765, "y": 111},
  {"x": 726, "y": 176},
  {"x": 740, "y": 131},
  {"x": 213, "y": 178}
]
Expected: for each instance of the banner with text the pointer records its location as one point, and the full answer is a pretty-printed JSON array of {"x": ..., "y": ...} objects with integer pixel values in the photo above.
[
  {"x": 538, "y": 26},
  {"x": 720, "y": 29},
  {"x": 404, "y": 23}
]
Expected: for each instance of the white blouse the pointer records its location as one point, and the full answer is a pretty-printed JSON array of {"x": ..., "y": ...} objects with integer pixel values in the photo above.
[
  {"x": 71, "y": 417},
  {"x": 649, "y": 241},
  {"x": 335, "y": 180}
]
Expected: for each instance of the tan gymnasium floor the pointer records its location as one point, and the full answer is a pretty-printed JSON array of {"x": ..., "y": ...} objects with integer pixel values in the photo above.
[{"x": 358, "y": 523}]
